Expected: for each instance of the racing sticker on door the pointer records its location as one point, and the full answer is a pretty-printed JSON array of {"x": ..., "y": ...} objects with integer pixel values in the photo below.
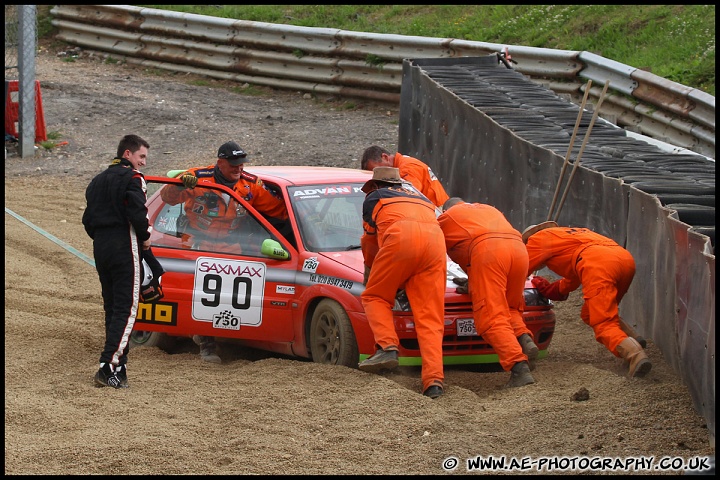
[{"x": 228, "y": 293}]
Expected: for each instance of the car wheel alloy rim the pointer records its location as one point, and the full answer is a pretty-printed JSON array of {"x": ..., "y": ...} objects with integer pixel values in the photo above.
[{"x": 327, "y": 338}]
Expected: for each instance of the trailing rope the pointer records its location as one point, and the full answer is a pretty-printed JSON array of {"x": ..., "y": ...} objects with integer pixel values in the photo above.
[{"x": 49, "y": 236}]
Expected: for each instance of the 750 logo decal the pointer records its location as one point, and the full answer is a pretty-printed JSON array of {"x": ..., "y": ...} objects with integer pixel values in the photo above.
[{"x": 226, "y": 320}]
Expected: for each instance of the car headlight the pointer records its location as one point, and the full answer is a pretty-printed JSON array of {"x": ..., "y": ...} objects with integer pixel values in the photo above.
[
  {"x": 402, "y": 304},
  {"x": 533, "y": 298}
]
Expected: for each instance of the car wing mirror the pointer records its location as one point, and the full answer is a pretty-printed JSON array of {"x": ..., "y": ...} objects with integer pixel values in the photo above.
[{"x": 273, "y": 249}]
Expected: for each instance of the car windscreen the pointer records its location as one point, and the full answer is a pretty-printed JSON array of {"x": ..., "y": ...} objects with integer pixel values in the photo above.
[{"x": 329, "y": 216}]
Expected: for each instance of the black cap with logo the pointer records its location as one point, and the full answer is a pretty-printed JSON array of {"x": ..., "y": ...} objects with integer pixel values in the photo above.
[{"x": 232, "y": 152}]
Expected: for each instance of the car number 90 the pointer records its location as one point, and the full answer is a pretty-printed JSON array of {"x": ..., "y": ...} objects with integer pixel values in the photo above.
[{"x": 229, "y": 293}]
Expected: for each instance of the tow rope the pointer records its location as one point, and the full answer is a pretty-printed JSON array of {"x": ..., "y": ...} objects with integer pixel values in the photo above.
[{"x": 45, "y": 234}]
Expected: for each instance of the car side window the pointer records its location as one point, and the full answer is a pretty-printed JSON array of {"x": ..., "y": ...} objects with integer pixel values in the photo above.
[
  {"x": 284, "y": 227},
  {"x": 209, "y": 220}
]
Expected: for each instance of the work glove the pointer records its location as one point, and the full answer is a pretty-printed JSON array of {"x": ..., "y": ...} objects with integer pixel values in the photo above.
[
  {"x": 548, "y": 290},
  {"x": 188, "y": 180},
  {"x": 366, "y": 275},
  {"x": 462, "y": 285},
  {"x": 152, "y": 292}
]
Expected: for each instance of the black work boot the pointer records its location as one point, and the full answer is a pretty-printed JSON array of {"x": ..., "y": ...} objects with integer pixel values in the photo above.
[
  {"x": 520, "y": 375},
  {"x": 529, "y": 348},
  {"x": 208, "y": 348},
  {"x": 434, "y": 391},
  {"x": 381, "y": 360}
]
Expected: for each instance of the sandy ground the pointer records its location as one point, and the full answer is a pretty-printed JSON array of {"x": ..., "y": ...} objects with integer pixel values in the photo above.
[{"x": 259, "y": 413}]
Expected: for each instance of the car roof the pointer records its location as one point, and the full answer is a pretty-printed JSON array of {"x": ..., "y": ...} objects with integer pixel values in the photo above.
[{"x": 305, "y": 175}]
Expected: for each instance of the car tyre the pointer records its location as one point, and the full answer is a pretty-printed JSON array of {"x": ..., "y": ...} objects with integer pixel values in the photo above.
[
  {"x": 701, "y": 215},
  {"x": 670, "y": 186},
  {"x": 163, "y": 341},
  {"x": 331, "y": 337}
]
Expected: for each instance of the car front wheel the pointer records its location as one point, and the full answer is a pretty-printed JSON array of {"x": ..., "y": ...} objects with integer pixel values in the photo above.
[{"x": 332, "y": 339}]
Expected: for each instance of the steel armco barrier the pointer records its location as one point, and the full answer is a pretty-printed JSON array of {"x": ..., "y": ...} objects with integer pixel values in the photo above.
[{"x": 369, "y": 65}]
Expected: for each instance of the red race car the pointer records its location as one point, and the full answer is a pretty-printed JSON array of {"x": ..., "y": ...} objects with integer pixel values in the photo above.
[{"x": 294, "y": 288}]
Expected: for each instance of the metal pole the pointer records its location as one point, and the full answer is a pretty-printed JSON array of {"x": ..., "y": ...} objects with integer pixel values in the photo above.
[
  {"x": 582, "y": 148},
  {"x": 27, "y": 33},
  {"x": 572, "y": 142}
]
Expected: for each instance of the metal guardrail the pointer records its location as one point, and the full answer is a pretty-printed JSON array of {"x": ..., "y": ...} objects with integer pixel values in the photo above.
[{"x": 369, "y": 65}]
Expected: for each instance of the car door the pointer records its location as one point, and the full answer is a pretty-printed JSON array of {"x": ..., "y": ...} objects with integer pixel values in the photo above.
[{"x": 220, "y": 279}]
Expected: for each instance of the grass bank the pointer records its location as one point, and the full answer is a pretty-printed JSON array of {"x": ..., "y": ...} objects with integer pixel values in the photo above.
[{"x": 676, "y": 42}]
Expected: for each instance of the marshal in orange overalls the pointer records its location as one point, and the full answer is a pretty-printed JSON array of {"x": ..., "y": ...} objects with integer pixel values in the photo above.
[
  {"x": 484, "y": 244},
  {"x": 212, "y": 216},
  {"x": 404, "y": 247},
  {"x": 604, "y": 268},
  {"x": 422, "y": 178},
  {"x": 412, "y": 170}
]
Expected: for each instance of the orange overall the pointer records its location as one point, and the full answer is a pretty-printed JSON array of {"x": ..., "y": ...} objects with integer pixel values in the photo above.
[
  {"x": 422, "y": 177},
  {"x": 604, "y": 268},
  {"x": 213, "y": 216},
  {"x": 249, "y": 187},
  {"x": 404, "y": 247},
  {"x": 479, "y": 238}
]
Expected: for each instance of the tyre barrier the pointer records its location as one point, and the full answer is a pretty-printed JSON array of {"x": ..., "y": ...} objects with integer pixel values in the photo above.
[
  {"x": 662, "y": 178},
  {"x": 684, "y": 198},
  {"x": 625, "y": 174},
  {"x": 692, "y": 188},
  {"x": 696, "y": 170},
  {"x": 708, "y": 232},
  {"x": 695, "y": 215},
  {"x": 619, "y": 171},
  {"x": 542, "y": 118},
  {"x": 673, "y": 258},
  {"x": 674, "y": 158},
  {"x": 701, "y": 218}
]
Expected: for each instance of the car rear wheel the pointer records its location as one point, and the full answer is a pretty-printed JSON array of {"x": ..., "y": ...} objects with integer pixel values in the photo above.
[
  {"x": 332, "y": 339},
  {"x": 163, "y": 341}
]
